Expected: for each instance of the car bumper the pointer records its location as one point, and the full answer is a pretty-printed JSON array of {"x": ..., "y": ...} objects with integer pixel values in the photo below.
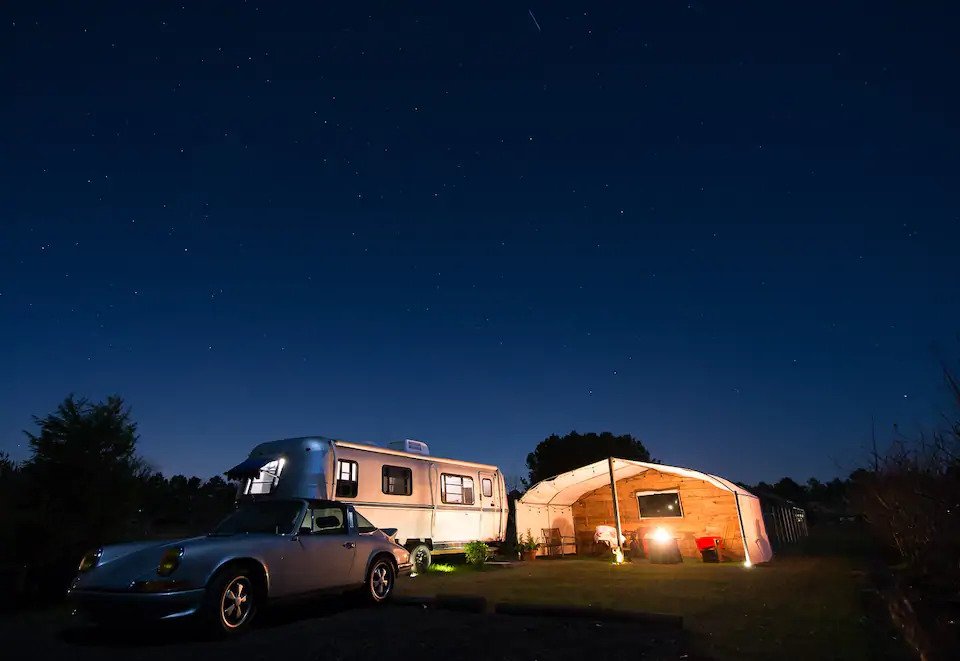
[
  {"x": 105, "y": 606},
  {"x": 405, "y": 569}
]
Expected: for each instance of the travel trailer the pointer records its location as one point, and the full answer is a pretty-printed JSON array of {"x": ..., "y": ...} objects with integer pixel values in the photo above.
[{"x": 436, "y": 505}]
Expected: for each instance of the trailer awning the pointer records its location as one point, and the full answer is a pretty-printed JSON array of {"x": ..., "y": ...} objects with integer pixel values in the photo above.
[{"x": 248, "y": 468}]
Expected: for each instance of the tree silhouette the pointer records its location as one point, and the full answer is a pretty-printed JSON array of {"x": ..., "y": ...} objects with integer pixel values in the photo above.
[
  {"x": 84, "y": 486},
  {"x": 6, "y": 464},
  {"x": 559, "y": 454},
  {"x": 83, "y": 476}
]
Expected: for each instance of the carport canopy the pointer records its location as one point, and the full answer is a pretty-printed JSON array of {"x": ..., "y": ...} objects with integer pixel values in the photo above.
[{"x": 565, "y": 489}]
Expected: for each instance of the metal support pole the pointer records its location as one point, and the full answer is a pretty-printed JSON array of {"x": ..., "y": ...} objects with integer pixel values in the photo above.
[
  {"x": 616, "y": 503},
  {"x": 743, "y": 533}
]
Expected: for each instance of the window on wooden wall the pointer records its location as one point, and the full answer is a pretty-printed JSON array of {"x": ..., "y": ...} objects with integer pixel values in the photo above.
[{"x": 659, "y": 504}]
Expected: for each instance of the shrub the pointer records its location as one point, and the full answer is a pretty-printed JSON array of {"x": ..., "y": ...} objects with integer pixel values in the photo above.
[
  {"x": 911, "y": 498},
  {"x": 476, "y": 553}
]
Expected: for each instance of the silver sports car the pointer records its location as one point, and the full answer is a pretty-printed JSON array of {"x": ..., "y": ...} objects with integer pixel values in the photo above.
[{"x": 265, "y": 550}]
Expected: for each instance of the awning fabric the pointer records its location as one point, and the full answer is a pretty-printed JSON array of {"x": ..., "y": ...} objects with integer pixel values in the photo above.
[{"x": 248, "y": 468}]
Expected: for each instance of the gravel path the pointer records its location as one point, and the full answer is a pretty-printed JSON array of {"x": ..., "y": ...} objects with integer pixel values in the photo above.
[{"x": 326, "y": 631}]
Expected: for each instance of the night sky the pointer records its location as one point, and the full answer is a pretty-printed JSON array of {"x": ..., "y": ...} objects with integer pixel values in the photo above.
[{"x": 730, "y": 229}]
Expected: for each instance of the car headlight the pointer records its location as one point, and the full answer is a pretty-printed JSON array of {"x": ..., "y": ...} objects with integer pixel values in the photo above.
[
  {"x": 169, "y": 561},
  {"x": 90, "y": 560}
]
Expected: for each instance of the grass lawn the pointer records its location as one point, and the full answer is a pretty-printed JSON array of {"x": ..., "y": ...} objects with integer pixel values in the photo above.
[{"x": 795, "y": 607}]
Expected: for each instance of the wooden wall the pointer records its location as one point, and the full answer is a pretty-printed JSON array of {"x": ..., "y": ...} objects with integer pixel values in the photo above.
[{"x": 707, "y": 511}]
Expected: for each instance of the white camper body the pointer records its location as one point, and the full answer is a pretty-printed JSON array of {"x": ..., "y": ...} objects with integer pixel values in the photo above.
[{"x": 432, "y": 501}]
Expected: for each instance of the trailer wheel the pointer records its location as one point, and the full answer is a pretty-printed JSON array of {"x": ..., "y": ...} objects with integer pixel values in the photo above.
[{"x": 420, "y": 556}]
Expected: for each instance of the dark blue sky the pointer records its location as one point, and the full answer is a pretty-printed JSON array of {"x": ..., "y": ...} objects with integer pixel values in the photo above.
[{"x": 730, "y": 229}]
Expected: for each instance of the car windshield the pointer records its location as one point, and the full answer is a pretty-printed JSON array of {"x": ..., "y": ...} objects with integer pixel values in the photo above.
[{"x": 275, "y": 516}]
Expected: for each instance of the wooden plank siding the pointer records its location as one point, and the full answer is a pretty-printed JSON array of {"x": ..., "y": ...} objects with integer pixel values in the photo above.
[{"x": 707, "y": 511}]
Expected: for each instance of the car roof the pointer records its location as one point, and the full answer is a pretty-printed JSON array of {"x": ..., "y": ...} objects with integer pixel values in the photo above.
[
  {"x": 312, "y": 502},
  {"x": 319, "y": 502}
]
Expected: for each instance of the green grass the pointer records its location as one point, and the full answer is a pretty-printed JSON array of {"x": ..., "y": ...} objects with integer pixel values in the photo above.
[{"x": 795, "y": 607}]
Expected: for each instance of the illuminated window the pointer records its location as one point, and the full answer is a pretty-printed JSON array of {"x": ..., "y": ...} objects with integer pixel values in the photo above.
[
  {"x": 456, "y": 489},
  {"x": 397, "y": 481},
  {"x": 347, "y": 482},
  {"x": 659, "y": 504},
  {"x": 486, "y": 487},
  {"x": 268, "y": 479}
]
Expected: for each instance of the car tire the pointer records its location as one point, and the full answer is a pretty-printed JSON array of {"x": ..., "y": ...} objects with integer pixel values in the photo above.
[
  {"x": 421, "y": 558},
  {"x": 231, "y": 602},
  {"x": 381, "y": 578}
]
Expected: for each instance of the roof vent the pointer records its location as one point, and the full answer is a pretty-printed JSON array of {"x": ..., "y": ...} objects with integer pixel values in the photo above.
[{"x": 411, "y": 446}]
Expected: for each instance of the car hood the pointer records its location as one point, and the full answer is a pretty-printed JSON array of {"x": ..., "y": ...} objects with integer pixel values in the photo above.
[{"x": 122, "y": 564}]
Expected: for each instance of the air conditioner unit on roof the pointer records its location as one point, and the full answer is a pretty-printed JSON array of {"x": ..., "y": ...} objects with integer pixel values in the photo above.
[{"x": 410, "y": 445}]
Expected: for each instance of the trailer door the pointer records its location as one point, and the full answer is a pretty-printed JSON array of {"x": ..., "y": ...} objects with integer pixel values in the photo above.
[{"x": 489, "y": 507}]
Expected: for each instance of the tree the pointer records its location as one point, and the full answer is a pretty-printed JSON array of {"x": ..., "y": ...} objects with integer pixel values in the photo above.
[
  {"x": 789, "y": 489},
  {"x": 559, "y": 454},
  {"x": 10, "y": 508},
  {"x": 83, "y": 478},
  {"x": 7, "y": 466}
]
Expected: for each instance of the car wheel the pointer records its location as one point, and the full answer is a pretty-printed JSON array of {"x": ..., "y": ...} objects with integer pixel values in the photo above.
[
  {"x": 380, "y": 580},
  {"x": 421, "y": 558},
  {"x": 231, "y": 602}
]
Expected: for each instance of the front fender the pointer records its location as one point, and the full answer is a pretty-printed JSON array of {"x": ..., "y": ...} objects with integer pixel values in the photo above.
[{"x": 247, "y": 560}]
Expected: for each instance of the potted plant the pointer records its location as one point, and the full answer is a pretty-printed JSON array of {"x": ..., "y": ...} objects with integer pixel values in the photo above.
[{"x": 528, "y": 547}]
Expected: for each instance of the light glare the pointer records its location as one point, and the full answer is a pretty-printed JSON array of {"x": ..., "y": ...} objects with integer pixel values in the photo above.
[{"x": 661, "y": 536}]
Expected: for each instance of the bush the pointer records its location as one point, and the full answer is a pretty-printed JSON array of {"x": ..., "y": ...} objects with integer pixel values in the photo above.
[
  {"x": 911, "y": 497},
  {"x": 476, "y": 553}
]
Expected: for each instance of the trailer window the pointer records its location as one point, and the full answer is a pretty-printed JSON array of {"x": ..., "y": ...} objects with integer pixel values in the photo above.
[
  {"x": 456, "y": 489},
  {"x": 657, "y": 504},
  {"x": 347, "y": 482},
  {"x": 486, "y": 487},
  {"x": 267, "y": 480},
  {"x": 397, "y": 481}
]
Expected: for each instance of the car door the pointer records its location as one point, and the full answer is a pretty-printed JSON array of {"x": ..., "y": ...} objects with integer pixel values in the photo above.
[{"x": 327, "y": 553}]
